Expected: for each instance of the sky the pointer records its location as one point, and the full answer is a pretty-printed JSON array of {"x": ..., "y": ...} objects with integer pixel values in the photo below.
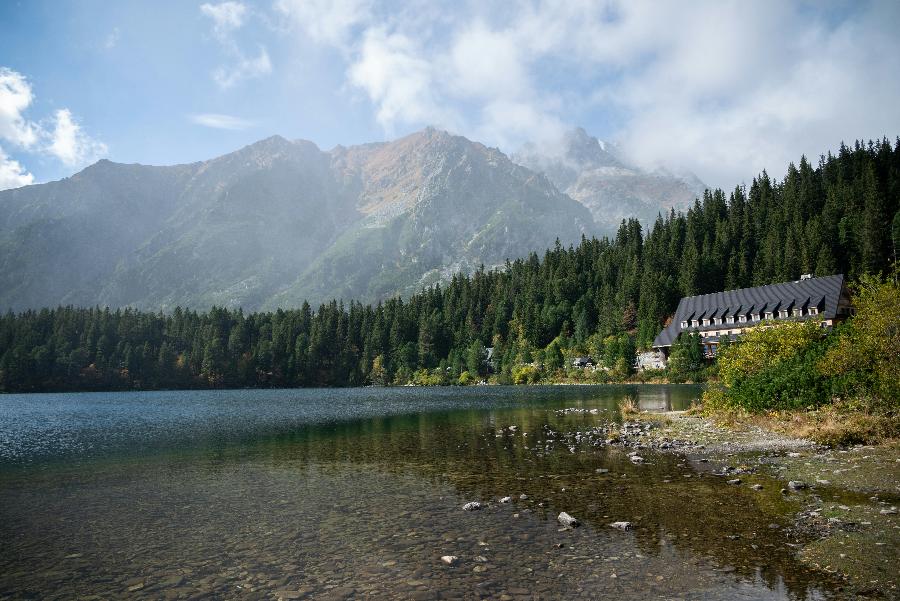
[{"x": 722, "y": 89}]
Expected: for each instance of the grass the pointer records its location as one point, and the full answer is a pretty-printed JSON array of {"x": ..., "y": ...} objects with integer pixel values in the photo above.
[
  {"x": 833, "y": 428},
  {"x": 629, "y": 406},
  {"x": 832, "y": 425}
]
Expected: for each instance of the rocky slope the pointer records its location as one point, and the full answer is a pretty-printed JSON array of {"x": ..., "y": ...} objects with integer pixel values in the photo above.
[
  {"x": 275, "y": 223},
  {"x": 595, "y": 174}
]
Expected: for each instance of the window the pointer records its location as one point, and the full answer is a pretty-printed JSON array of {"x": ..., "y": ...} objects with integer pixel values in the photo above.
[
  {"x": 769, "y": 315},
  {"x": 717, "y": 320},
  {"x": 683, "y": 325},
  {"x": 813, "y": 310},
  {"x": 742, "y": 319},
  {"x": 729, "y": 319},
  {"x": 695, "y": 323},
  {"x": 798, "y": 312},
  {"x": 783, "y": 313}
]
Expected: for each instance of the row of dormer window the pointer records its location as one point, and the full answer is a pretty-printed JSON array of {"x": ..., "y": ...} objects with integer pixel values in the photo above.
[{"x": 717, "y": 321}]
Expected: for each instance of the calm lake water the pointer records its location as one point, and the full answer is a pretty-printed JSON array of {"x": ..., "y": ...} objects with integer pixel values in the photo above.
[{"x": 358, "y": 493}]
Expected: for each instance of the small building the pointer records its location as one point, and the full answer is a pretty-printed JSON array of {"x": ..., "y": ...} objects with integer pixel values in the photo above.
[
  {"x": 650, "y": 360},
  {"x": 583, "y": 362},
  {"x": 720, "y": 314},
  {"x": 489, "y": 362}
]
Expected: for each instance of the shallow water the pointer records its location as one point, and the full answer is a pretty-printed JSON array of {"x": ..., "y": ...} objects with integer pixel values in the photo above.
[{"x": 358, "y": 493}]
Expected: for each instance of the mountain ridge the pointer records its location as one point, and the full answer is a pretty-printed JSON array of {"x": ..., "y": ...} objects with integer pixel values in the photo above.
[{"x": 279, "y": 221}]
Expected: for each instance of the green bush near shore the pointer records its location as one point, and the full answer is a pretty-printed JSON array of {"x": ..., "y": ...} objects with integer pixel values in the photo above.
[{"x": 802, "y": 366}]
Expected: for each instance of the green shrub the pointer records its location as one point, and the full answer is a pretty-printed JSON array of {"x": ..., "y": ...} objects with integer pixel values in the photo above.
[
  {"x": 525, "y": 374},
  {"x": 466, "y": 379}
]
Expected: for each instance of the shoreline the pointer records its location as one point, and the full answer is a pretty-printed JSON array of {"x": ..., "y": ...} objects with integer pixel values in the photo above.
[{"x": 844, "y": 501}]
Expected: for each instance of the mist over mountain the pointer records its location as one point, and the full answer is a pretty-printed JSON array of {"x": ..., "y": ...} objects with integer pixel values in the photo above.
[
  {"x": 275, "y": 223},
  {"x": 596, "y": 174}
]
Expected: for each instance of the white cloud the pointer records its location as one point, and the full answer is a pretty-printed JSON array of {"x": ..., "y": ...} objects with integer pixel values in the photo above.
[
  {"x": 488, "y": 64},
  {"x": 227, "y": 18},
  {"x": 15, "y": 98},
  {"x": 243, "y": 68},
  {"x": 12, "y": 174},
  {"x": 722, "y": 88},
  {"x": 69, "y": 143},
  {"x": 219, "y": 121},
  {"x": 399, "y": 81},
  {"x": 327, "y": 21},
  {"x": 112, "y": 39},
  {"x": 60, "y": 136}
]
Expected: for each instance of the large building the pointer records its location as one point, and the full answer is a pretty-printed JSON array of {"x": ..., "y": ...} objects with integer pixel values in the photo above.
[{"x": 720, "y": 314}]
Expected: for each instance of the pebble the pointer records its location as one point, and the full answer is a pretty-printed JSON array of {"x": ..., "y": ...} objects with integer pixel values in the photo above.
[
  {"x": 891, "y": 511},
  {"x": 506, "y": 499},
  {"x": 472, "y": 506},
  {"x": 450, "y": 560},
  {"x": 622, "y": 525},
  {"x": 734, "y": 482},
  {"x": 566, "y": 520},
  {"x": 757, "y": 486},
  {"x": 797, "y": 485}
]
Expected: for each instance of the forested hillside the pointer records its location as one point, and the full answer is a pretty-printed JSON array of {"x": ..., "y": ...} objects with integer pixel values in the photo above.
[{"x": 604, "y": 297}]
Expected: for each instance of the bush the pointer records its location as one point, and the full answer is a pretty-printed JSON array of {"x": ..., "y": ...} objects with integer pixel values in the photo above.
[
  {"x": 865, "y": 362},
  {"x": 773, "y": 367},
  {"x": 686, "y": 360},
  {"x": 466, "y": 379},
  {"x": 800, "y": 365},
  {"x": 525, "y": 374}
]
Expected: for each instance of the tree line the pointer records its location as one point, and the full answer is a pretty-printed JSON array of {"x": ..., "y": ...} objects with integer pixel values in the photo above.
[{"x": 604, "y": 298}]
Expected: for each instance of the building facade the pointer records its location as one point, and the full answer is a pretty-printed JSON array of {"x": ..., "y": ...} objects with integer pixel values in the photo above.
[{"x": 720, "y": 314}]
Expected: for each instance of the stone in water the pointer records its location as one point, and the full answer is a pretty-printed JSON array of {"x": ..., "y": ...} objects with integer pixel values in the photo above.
[{"x": 566, "y": 520}]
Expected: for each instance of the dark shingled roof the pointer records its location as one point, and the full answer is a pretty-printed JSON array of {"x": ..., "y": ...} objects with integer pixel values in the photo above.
[{"x": 823, "y": 292}]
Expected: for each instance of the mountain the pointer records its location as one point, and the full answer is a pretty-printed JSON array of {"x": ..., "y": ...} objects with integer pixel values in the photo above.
[
  {"x": 275, "y": 223},
  {"x": 595, "y": 174}
]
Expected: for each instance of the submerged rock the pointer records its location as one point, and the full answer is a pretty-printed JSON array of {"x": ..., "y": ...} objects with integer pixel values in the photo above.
[
  {"x": 472, "y": 506},
  {"x": 450, "y": 560},
  {"x": 506, "y": 499},
  {"x": 566, "y": 520},
  {"x": 622, "y": 525}
]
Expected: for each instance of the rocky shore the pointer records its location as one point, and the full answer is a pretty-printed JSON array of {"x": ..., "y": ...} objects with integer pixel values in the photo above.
[{"x": 845, "y": 500}]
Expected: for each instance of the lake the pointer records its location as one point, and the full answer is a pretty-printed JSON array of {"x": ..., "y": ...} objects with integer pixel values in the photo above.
[{"x": 358, "y": 493}]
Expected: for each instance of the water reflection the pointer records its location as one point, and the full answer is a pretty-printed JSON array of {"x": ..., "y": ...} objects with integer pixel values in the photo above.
[{"x": 366, "y": 508}]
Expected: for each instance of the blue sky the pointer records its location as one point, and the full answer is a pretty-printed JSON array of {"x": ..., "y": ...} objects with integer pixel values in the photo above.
[{"x": 720, "y": 88}]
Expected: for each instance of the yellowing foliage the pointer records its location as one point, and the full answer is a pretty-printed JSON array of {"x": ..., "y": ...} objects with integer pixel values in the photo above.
[
  {"x": 763, "y": 347},
  {"x": 867, "y": 355}
]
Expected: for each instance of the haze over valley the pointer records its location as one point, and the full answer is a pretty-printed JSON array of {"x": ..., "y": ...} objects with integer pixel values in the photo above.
[{"x": 279, "y": 222}]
